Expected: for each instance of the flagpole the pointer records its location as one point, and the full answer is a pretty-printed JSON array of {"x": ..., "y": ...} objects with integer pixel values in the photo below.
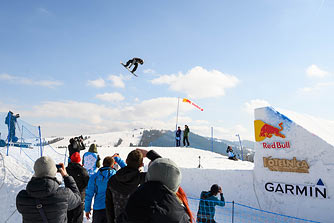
[
  {"x": 177, "y": 115},
  {"x": 177, "y": 112}
]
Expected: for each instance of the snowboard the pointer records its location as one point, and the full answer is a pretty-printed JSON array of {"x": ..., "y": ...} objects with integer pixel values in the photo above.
[{"x": 128, "y": 69}]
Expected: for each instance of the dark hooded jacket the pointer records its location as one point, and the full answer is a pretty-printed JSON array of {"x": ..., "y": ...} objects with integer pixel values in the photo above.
[
  {"x": 153, "y": 202},
  {"x": 80, "y": 175},
  {"x": 55, "y": 200},
  {"x": 178, "y": 133},
  {"x": 186, "y": 132},
  {"x": 121, "y": 185},
  {"x": 75, "y": 146}
]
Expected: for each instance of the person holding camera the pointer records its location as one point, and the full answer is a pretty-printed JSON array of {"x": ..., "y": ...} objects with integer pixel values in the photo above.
[
  {"x": 97, "y": 186},
  {"x": 81, "y": 178},
  {"x": 10, "y": 121},
  {"x": 208, "y": 201},
  {"x": 44, "y": 200},
  {"x": 76, "y": 145}
]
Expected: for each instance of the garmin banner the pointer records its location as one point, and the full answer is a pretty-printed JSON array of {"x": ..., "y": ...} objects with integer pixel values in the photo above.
[
  {"x": 317, "y": 191},
  {"x": 293, "y": 168}
]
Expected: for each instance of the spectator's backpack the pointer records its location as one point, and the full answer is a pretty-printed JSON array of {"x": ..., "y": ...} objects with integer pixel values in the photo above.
[{"x": 89, "y": 162}]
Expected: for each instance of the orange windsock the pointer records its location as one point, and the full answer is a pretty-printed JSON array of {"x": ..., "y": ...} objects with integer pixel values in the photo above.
[{"x": 192, "y": 103}]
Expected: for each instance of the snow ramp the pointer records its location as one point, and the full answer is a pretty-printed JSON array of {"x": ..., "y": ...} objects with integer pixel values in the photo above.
[{"x": 293, "y": 168}]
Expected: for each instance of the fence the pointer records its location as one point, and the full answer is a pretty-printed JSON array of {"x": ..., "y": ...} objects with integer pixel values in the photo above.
[
  {"x": 18, "y": 133},
  {"x": 19, "y": 138},
  {"x": 235, "y": 213}
]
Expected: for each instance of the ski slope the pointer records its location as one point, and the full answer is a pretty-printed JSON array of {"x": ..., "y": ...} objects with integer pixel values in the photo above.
[
  {"x": 236, "y": 177},
  {"x": 215, "y": 168}
]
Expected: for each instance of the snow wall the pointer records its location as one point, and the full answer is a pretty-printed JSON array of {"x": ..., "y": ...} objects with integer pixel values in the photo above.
[{"x": 293, "y": 168}]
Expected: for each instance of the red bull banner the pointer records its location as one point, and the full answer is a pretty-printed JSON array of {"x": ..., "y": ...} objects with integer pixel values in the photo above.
[
  {"x": 192, "y": 103},
  {"x": 264, "y": 130}
]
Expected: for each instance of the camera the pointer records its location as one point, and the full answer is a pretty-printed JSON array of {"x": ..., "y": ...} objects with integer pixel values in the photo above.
[
  {"x": 76, "y": 139},
  {"x": 76, "y": 143},
  {"x": 58, "y": 167}
]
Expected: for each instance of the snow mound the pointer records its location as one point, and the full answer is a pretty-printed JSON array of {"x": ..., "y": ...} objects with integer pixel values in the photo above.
[{"x": 294, "y": 168}]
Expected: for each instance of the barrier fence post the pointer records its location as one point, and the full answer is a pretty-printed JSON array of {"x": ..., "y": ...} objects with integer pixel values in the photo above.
[
  {"x": 211, "y": 139},
  {"x": 40, "y": 140},
  {"x": 21, "y": 140},
  {"x": 232, "y": 211},
  {"x": 9, "y": 129}
]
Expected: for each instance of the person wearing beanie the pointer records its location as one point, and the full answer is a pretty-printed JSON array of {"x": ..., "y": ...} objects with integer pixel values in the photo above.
[
  {"x": 81, "y": 177},
  {"x": 208, "y": 201},
  {"x": 91, "y": 160},
  {"x": 43, "y": 197},
  {"x": 97, "y": 186},
  {"x": 126, "y": 181},
  {"x": 156, "y": 201}
]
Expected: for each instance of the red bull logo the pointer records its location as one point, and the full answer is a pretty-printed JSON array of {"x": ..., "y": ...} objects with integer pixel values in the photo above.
[{"x": 264, "y": 130}]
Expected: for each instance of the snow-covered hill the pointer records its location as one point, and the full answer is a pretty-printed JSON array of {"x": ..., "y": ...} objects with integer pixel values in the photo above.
[
  {"x": 236, "y": 177},
  {"x": 158, "y": 138},
  {"x": 110, "y": 139},
  {"x": 17, "y": 168}
]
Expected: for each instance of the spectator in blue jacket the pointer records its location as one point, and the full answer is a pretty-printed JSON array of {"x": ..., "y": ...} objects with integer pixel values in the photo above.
[
  {"x": 10, "y": 121},
  {"x": 91, "y": 160},
  {"x": 97, "y": 187},
  {"x": 178, "y": 136},
  {"x": 206, "y": 209},
  {"x": 231, "y": 154}
]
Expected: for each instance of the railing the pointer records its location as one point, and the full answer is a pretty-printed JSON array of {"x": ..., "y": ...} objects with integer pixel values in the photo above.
[{"x": 235, "y": 212}]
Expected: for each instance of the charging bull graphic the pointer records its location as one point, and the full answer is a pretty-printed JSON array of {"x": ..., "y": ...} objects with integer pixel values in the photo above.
[{"x": 264, "y": 130}]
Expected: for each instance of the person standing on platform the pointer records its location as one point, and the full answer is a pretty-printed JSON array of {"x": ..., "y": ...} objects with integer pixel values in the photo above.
[
  {"x": 185, "y": 135},
  {"x": 178, "y": 137}
]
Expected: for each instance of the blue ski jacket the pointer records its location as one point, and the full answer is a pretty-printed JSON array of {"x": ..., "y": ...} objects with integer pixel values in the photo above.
[
  {"x": 89, "y": 160},
  {"x": 97, "y": 186},
  {"x": 178, "y": 133}
]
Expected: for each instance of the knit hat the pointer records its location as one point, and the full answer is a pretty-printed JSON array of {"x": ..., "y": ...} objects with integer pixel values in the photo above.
[
  {"x": 92, "y": 148},
  {"x": 45, "y": 167},
  {"x": 165, "y": 171},
  {"x": 75, "y": 158}
]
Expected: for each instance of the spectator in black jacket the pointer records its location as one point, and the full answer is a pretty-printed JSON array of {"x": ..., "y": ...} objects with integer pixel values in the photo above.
[
  {"x": 125, "y": 182},
  {"x": 76, "y": 145},
  {"x": 81, "y": 177},
  {"x": 156, "y": 201},
  {"x": 43, "y": 196}
]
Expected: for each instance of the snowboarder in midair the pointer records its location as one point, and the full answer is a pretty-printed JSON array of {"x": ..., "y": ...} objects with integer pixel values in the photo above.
[{"x": 134, "y": 61}]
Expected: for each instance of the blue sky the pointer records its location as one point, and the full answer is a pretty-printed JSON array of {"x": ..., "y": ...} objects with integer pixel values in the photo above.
[{"x": 59, "y": 63}]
